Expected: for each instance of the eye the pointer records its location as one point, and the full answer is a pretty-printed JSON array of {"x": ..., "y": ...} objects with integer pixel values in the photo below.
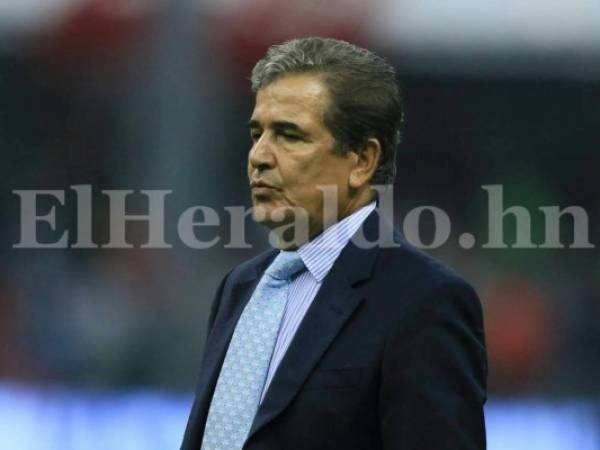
[
  {"x": 291, "y": 137},
  {"x": 255, "y": 135}
]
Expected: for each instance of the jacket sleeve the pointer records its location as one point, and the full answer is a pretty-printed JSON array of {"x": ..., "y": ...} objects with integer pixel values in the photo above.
[
  {"x": 214, "y": 309},
  {"x": 433, "y": 376}
]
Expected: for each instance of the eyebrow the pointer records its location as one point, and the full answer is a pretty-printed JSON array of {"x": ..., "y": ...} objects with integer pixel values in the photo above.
[{"x": 280, "y": 125}]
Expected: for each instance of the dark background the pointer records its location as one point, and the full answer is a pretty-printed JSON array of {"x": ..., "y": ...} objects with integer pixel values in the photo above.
[{"x": 156, "y": 96}]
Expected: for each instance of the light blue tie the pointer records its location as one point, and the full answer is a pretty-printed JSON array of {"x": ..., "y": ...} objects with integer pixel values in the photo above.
[{"x": 244, "y": 371}]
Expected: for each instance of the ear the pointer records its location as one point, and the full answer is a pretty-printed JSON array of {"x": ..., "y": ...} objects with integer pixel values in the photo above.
[{"x": 365, "y": 165}]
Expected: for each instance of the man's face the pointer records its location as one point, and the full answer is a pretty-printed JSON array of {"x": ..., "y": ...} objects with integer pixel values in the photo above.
[{"x": 292, "y": 151}]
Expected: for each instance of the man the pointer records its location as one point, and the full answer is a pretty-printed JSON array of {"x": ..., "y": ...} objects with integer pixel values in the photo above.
[{"x": 327, "y": 342}]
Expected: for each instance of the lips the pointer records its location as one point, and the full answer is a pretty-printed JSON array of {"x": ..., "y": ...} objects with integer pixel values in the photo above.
[
  {"x": 261, "y": 187},
  {"x": 261, "y": 184}
]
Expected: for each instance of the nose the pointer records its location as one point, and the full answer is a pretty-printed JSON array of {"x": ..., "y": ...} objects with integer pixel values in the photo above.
[{"x": 261, "y": 154}]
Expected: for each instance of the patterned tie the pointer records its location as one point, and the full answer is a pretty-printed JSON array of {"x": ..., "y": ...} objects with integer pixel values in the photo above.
[{"x": 242, "y": 378}]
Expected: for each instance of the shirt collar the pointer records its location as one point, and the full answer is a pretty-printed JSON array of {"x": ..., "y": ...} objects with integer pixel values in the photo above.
[{"x": 319, "y": 254}]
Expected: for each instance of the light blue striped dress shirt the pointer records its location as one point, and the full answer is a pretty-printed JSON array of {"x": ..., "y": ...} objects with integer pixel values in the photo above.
[{"x": 318, "y": 256}]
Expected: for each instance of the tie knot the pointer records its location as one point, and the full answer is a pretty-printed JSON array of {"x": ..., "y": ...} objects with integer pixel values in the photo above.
[{"x": 285, "y": 265}]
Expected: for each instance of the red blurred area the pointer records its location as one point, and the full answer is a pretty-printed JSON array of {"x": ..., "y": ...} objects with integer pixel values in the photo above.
[
  {"x": 246, "y": 31},
  {"x": 97, "y": 30},
  {"x": 520, "y": 325}
]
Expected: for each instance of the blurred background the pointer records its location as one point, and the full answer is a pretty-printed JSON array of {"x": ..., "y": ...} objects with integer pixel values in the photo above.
[{"x": 99, "y": 348}]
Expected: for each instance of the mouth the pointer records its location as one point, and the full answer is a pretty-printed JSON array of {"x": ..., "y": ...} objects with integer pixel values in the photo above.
[{"x": 262, "y": 188}]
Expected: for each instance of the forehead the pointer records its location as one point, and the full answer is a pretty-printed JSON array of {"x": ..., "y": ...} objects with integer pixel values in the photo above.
[{"x": 299, "y": 98}]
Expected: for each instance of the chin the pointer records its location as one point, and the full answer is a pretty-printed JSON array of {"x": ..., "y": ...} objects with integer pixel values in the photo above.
[
  {"x": 272, "y": 215},
  {"x": 261, "y": 212}
]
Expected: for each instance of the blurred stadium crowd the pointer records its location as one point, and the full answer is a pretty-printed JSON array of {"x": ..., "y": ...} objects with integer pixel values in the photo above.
[{"x": 154, "y": 95}]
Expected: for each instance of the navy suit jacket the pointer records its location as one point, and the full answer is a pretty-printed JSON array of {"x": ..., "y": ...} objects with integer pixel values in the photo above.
[{"x": 390, "y": 355}]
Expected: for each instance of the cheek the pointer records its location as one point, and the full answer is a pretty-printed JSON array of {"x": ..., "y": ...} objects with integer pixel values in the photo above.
[
  {"x": 305, "y": 171},
  {"x": 305, "y": 194},
  {"x": 301, "y": 175}
]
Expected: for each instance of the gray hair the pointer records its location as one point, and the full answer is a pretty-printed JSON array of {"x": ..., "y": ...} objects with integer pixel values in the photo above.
[{"x": 366, "y": 101}]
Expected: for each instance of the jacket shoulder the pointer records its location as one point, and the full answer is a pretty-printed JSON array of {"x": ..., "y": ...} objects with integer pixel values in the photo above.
[
  {"x": 419, "y": 269},
  {"x": 419, "y": 288}
]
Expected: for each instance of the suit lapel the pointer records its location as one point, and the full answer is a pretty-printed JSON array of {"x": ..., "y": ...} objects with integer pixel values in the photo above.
[
  {"x": 220, "y": 336},
  {"x": 332, "y": 307}
]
